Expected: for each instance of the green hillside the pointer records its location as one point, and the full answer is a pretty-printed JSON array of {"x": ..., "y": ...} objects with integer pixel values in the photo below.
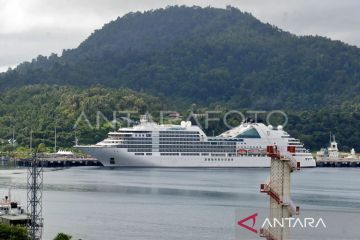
[{"x": 42, "y": 108}]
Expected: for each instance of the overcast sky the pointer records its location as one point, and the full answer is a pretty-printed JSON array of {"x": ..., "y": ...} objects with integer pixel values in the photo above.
[{"x": 32, "y": 27}]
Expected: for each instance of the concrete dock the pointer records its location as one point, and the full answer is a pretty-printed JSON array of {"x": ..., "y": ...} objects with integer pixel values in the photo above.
[
  {"x": 344, "y": 162},
  {"x": 61, "y": 162},
  {"x": 19, "y": 220}
]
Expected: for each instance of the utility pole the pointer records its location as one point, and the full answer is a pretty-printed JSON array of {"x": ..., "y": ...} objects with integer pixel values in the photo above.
[
  {"x": 30, "y": 141},
  {"x": 55, "y": 139},
  {"x": 76, "y": 139},
  {"x": 13, "y": 136}
]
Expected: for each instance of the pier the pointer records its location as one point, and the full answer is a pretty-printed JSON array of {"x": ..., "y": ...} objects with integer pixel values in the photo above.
[
  {"x": 338, "y": 162},
  {"x": 60, "y": 162}
]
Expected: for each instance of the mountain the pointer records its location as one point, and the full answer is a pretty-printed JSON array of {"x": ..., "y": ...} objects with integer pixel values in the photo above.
[
  {"x": 179, "y": 56},
  {"x": 205, "y": 56}
]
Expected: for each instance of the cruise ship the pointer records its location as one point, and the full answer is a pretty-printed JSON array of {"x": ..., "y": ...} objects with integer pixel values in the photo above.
[{"x": 149, "y": 144}]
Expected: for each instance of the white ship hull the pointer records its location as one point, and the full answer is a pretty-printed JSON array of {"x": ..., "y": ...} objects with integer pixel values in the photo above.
[{"x": 118, "y": 157}]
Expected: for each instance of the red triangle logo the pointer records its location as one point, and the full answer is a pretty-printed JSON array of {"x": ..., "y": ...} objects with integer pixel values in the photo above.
[{"x": 253, "y": 217}]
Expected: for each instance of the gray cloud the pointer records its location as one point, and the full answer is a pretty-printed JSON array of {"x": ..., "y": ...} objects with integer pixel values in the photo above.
[{"x": 32, "y": 27}]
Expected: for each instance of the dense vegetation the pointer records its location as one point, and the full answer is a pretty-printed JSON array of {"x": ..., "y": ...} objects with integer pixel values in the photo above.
[
  {"x": 42, "y": 108},
  {"x": 214, "y": 58},
  {"x": 205, "y": 56},
  {"x": 9, "y": 232},
  {"x": 63, "y": 236},
  {"x": 13, "y": 233}
]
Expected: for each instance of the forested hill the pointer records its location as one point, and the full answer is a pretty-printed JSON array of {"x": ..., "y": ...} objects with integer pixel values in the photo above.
[
  {"x": 42, "y": 108},
  {"x": 205, "y": 56}
]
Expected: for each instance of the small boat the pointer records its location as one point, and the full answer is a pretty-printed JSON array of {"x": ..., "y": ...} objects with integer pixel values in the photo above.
[{"x": 12, "y": 213}]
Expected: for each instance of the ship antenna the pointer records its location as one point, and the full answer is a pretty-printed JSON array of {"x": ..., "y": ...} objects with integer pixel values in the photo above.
[{"x": 9, "y": 194}]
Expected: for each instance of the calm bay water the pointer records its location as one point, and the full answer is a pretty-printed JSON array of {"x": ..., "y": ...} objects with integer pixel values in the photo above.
[{"x": 163, "y": 204}]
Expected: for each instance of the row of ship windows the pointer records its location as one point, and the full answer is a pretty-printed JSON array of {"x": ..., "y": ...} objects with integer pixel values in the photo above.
[
  {"x": 140, "y": 150},
  {"x": 251, "y": 146},
  {"x": 179, "y": 138},
  {"x": 211, "y": 150},
  {"x": 142, "y": 135},
  {"x": 227, "y": 140},
  {"x": 197, "y": 150},
  {"x": 196, "y": 147},
  {"x": 175, "y": 135},
  {"x": 183, "y": 154},
  {"x": 219, "y": 159},
  {"x": 199, "y": 143},
  {"x": 193, "y": 154},
  {"x": 185, "y": 142},
  {"x": 183, "y": 133},
  {"x": 195, "y": 137},
  {"x": 182, "y": 151},
  {"x": 254, "y": 147},
  {"x": 178, "y": 146},
  {"x": 131, "y": 139},
  {"x": 197, "y": 154},
  {"x": 129, "y": 131}
]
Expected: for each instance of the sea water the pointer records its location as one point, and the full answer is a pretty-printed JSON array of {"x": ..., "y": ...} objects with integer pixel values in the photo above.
[{"x": 164, "y": 203}]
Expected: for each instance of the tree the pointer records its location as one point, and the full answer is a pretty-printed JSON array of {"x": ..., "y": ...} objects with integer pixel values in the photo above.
[
  {"x": 63, "y": 236},
  {"x": 8, "y": 232},
  {"x": 41, "y": 148}
]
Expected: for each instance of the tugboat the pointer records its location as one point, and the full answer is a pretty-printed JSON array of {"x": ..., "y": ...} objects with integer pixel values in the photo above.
[
  {"x": 12, "y": 213},
  {"x": 332, "y": 152}
]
